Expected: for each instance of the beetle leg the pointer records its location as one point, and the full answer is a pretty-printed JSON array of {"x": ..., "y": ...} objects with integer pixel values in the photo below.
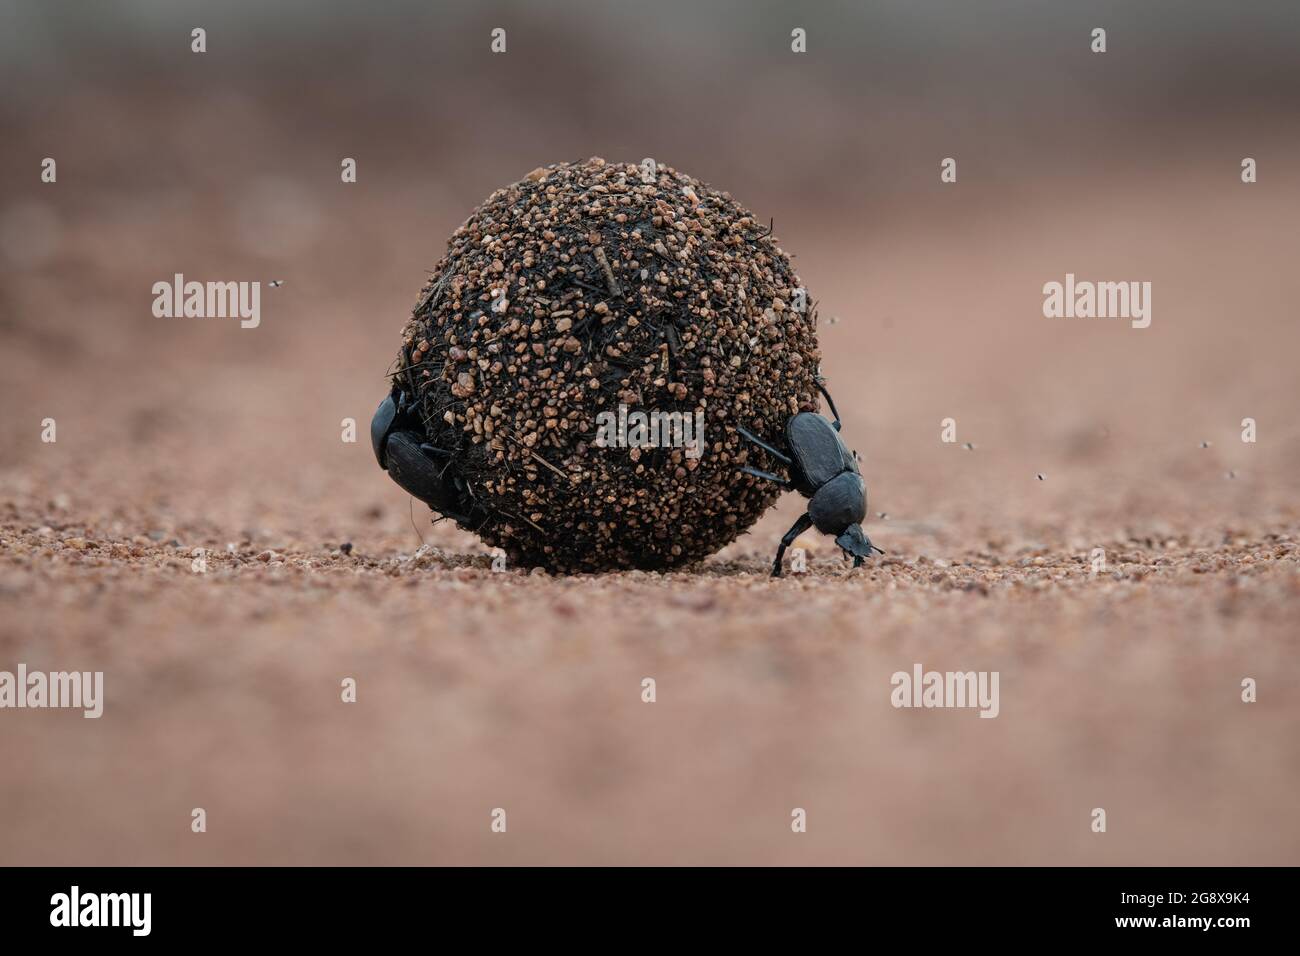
[
  {"x": 831, "y": 402},
  {"x": 750, "y": 436},
  {"x": 766, "y": 474},
  {"x": 800, "y": 526}
]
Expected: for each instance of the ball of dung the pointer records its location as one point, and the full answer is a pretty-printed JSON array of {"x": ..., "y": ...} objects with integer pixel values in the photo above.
[{"x": 583, "y": 355}]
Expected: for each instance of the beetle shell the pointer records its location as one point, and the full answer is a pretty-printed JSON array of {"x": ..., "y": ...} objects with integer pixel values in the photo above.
[
  {"x": 818, "y": 452},
  {"x": 411, "y": 468},
  {"x": 840, "y": 502}
]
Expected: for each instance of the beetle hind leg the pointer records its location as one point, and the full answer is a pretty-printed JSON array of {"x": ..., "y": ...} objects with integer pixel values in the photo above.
[
  {"x": 751, "y": 437},
  {"x": 835, "y": 413},
  {"x": 757, "y": 473}
]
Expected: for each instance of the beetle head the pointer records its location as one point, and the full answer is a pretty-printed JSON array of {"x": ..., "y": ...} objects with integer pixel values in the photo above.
[{"x": 853, "y": 541}]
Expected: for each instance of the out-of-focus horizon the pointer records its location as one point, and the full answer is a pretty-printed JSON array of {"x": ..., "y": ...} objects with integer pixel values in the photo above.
[{"x": 709, "y": 87}]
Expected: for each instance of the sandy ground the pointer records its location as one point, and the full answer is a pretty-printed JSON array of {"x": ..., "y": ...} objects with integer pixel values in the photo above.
[{"x": 479, "y": 690}]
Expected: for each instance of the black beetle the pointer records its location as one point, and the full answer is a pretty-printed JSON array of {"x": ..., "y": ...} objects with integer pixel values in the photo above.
[
  {"x": 823, "y": 470},
  {"x": 427, "y": 472}
]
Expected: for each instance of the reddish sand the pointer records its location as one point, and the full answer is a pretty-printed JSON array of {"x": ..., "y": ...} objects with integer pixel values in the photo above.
[{"x": 478, "y": 690}]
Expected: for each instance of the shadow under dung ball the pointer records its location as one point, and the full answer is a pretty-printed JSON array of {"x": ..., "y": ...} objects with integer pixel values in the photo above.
[{"x": 566, "y": 304}]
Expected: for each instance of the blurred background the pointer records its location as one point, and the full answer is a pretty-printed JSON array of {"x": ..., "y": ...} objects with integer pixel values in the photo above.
[{"x": 1122, "y": 166}]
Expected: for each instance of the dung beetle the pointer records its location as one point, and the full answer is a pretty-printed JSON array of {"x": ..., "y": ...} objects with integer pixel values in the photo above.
[
  {"x": 428, "y": 473},
  {"x": 823, "y": 470}
]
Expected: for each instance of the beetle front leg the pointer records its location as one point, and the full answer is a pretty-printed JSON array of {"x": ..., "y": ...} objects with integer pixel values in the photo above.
[{"x": 800, "y": 526}]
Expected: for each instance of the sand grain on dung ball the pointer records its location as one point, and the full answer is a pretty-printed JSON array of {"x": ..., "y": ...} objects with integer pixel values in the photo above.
[{"x": 589, "y": 285}]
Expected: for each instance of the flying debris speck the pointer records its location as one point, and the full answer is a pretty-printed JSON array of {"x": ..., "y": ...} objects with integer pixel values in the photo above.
[
  {"x": 1042, "y": 477},
  {"x": 1205, "y": 444},
  {"x": 276, "y": 283},
  {"x": 968, "y": 446}
]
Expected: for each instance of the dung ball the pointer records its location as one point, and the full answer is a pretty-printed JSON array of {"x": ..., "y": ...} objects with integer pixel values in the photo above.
[{"x": 583, "y": 354}]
